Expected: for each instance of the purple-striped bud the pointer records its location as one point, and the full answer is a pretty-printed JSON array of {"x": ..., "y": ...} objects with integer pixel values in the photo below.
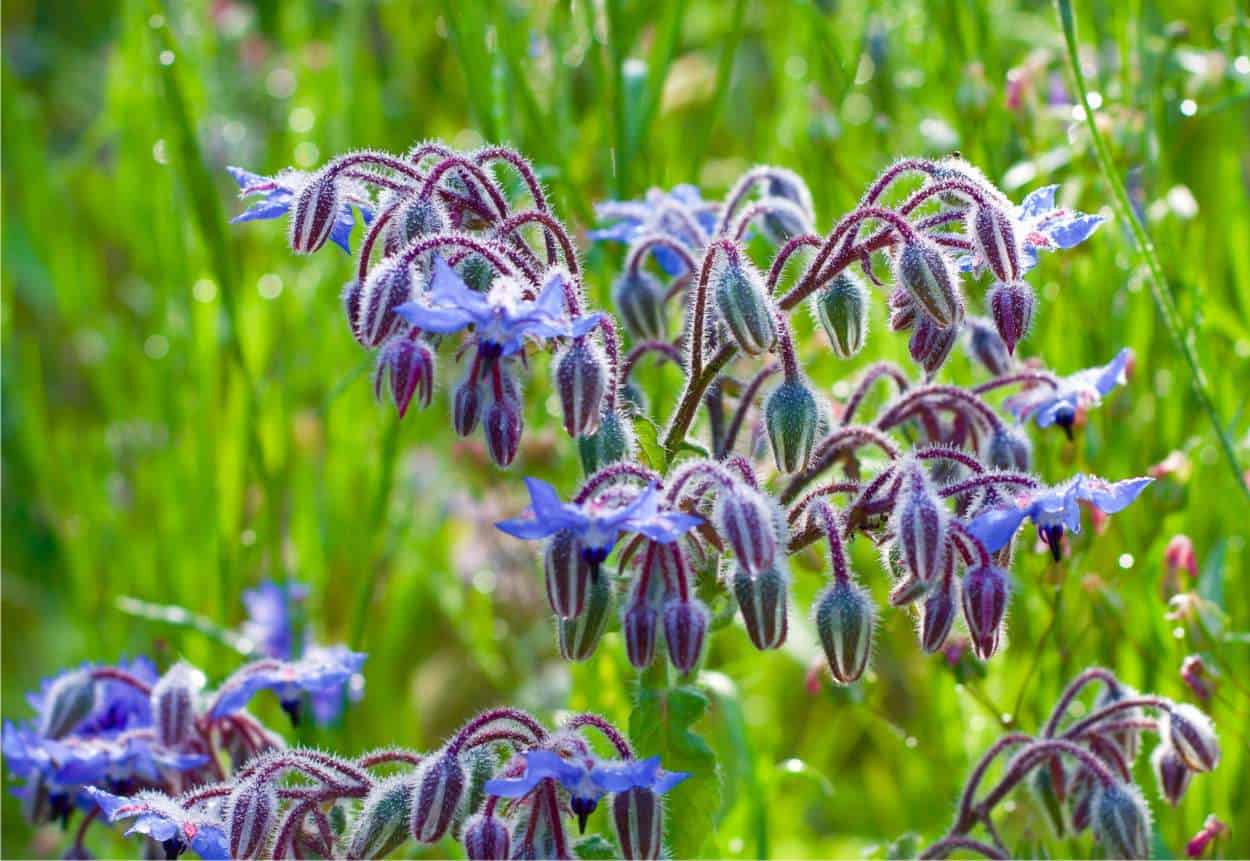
[
  {"x": 568, "y": 575},
  {"x": 930, "y": 343},
  {"x": 314, "y": 213},
  {"x": 69, "y": 700},
  {"x": 639, "y": 626},
  {"x": 173, "y": 704},
  {"x": 908, "y": 590},
  {"x": 466, "y": 409},
  {"x": 440, "y": 785},
  {"x": 383, "y": 822},
  {"x": 791, "y": 417},
  {"x": 747, "y": 520},
  {"x": 420, "y": 216},
  {"x": 845, "y": 617},
  {"x": 485, "y": 838},
  {"x": 937, "y": 614},
  {"x": 1009, "y": 448},
  {"x": 581, "y": 377},
  {"x": 902, "y": 310},
  {"x": 639, "y": 297},
  {"x": 996, "y": 242},
  {"x": 578, "y": 637},
  {"x": 409, "y": 365},
  {"x": 1192, "y": 736},
  {"x": 920, "y": 525},
  {"x": 924, "y": 271},
  {"x": 762, "y": 600},
  {"x": 639, "y": 819},
  {"x": 1011, "y": 306},
  {"x": 685, "y": 629},
  {"x": 503, "y": 425},
  {"x": 251, "y": 811},
  {"x": 841, "y": 306},
  {"x": 1081, "y": 801},
  {"x": 985, "y": 597},
  {"x": 352, "y": 291},
  {"x": 1171, "y": 772},
  {"x": 1121, "y": 821},
  {"x": 987, "y": 347},
  {"x": 387, "y": 286},
  {"x": 744, "y": 306}
]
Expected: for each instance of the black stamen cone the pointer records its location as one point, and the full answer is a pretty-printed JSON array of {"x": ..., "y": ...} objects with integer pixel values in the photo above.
[{"x": 583, "y": 807}]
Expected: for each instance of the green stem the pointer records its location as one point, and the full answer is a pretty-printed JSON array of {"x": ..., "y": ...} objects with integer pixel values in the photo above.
[{"x": 377, "y": 518}]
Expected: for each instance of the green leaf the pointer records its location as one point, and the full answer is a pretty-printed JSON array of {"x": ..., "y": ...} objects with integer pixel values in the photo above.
[
  {"x": 595, "y": 846},
  {"x": 648, "y": 435}
]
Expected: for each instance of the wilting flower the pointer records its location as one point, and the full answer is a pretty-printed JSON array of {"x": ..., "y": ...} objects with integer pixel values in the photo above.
[
  {"x": 321, "y": 669},
  {"x": 162, "y": 819},
  {"x": 1082, "y": 390},
  {"x": 1054, "y": 510},
  {"x": 502, "y": 319},
  {"x": 279, "y": 193},
  {"x": 681, "y": 215}
]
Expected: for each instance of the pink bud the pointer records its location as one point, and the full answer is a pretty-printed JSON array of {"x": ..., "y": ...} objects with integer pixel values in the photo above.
[
  {"x": 920, "y": 525},
  {"x": 410, "y": 366},
  {"x": 1171, "y": 773},
  {"x": 1179, "y": 555},
  {"x": 747, "y": 520},
  {"x": 762, "y": 601},
  {"x": 1193, "y": 737},
  {"x": 930, "y": 343},
  {"x": 173, "y": 704},
  {"x": 466, "y": 406},
  {"x": 485, "y": 838},
  {"x": 251, "y": 811},
  {"x": 1194, "y": 674},
  {"x": 388, "y": 286},
  {"x": 581, "y": 377},
  {"x": 639, "y": 820},
  {"x": 1211, "y": 829},
  {"x": 937, "y": 615},
  {"x": 925, "y": 272}
]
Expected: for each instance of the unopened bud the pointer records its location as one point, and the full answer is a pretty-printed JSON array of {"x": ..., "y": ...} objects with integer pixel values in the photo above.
[
  {"x": 1179, "y": 556},
  {"x": 1011, "y": 306},
  {"x": 937, "y": 615},
  {"x": 503, "y": 425},
  {"x": 985, "y": 597},
  {"x": 409, "y": 365},
  {"x": 1171, "y": 772},
  {"x": 612, "y": 442},
  {"x": 69, "y": 700},
  {"x": 251, "y": 811},
  {"x": 902, "y": 310},
  {"x": 1193, "y": 737},
  {"x": 996, "y": 241},
  {"x": 440, "y": 784},
  {"x": 931, "y": 343},
  {"x": 845, "y": 616},
  {"x": 578, "y": 637},
  {"x": 745, "y": 308},
  {"x": 685, "y": 629},
  {"x": 1121, "y": 821},
  {"x": 420, "y": 216},
  {"x": 791, "y": 417},
  {"x": 466, "y": 407},
  {"x": 639, "y": 297},
  {"x": 762, "y": 600},
  {"x": 313, "y": 215},
  {"x": 1194, "y": 674},
  {"x": 568, "y": 574},
  {"x": 173, "y": 704},
  {"x": 987, "y": 347},
  {"x": 920, "y": 525},
  {"x": 639, "y": 819},
  {"x": 387, "y": 286},
  {"x": 1010, "y": 449},
  {"x": 748, "y": 521},
  {"x": 485, "y": 838},
  {"x": 924, "y": 271},
  {"x": 841, "y": 306},
  {"x": 581, "y": 377},
  {"x": 639, "y": 626},
  {"x": 383, "y": 822}
]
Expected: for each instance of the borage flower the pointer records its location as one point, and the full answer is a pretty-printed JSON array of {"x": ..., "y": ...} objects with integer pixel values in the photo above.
[
  {"x": 680, "y": 214},
  {"x": 587, "y": 778},
  {"x": 1079, "y": 391},
  {"x": 1054, "y": 510},
  {"x": 279, "y": 193},
  {"x": 325, "y": 668},
  {"x": 160, "y": 818},
  {"x": 598, "y": 522},
  {"x": 1045, "y": 227}
]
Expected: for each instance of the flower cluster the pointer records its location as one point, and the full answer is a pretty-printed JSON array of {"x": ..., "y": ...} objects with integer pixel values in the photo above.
[{"x": 1080, "y": 771}]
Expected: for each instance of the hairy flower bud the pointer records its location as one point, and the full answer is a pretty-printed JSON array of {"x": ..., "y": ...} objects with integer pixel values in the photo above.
[
  {"x": 1009, "y": 448},
  {"x": 420, "y": 216},
  {"x": 745, "y": 307},
  {"x": 568, "y": 574},
  {"x": 466, "y": 409},
  {"x": 986, "y": 347},
  {"x": 931, "y": 343},
  {"x": 577, "y": 637},
  {"x": 67, "y": 703},
  {"x": 685, "y": 628},
  {"x": 173, "y": 704},
  {"x": 313, "y": 215},
  {"x": 1171, "y": 772},
  {"x": 791, "y": 417},
  {"x": 1042, "y": 783},
  {"x": 387, "y": 286},
  {"x": 581, "y": 377},
  {"x": 503, "y": 425},
  {"x": 612, "y": 441},
  {"x": 762, "y": 600},
  {"x": 485, "y": 838},
  {"x": 903, "y": 311},
  {"x": 639, "y": 297},
  {"x": 985, "y": 597},
  {"x": 996, "y": 241},
  {"x": 747, "y": 520},
  {"x": 920, "y": 525},
  {"x": 440, "y": 784},
  {"x": 1121, "y": 821},
  {"x": 937, "y": 615},
  {"x": 1192, "y": 736},
  {"x": 845, "y": 616},
  {"x": 1011, "y": 306},
  {"x": 924, "y": 271},
  {"x": 383, "y": 822},
  {"x": 841, "y": 306},
  {"x": 639, "y": 820},
  {"x": 409, "y": 365},
  {"x": 639, "y": 627},
  {"x": 251, "y": 811},
  {"x": 1081, "y": 801}
]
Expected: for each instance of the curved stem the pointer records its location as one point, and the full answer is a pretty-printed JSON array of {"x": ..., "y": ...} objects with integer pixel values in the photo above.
[
  {"x": 611, "y": 473},
  {"x": 638, "y": 251},
  {"x": 663, "y": 348},
  {"x": 793, "y": 245},
  {"x": 494, "y": 715},
  {"x": 610, "y": 732},
  {"x": 387, "y": 757},
  {"x": 113, "y": 674},
  {"x": 731, "y": 251},
  {"x": 988, "y": 479},
  {"x": 1093, "y": 674},
  {"x": 1021, "y": 377},
  {"x": 878, "y": 371},
  {"x": 461, "y": 163},
  {"x": 833, "y": 487},
  {"x": 837, "y": 554},
  {"x": 946, "y": 844},
  {"x": 552, "y": 228}
]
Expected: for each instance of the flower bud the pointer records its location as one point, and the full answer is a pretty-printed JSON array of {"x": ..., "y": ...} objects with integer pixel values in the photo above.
[
  {"x": 67, "y": 703},
  {"x": 568, "y": 575},
  {"x": 314, "y": 213},
  {"x": 440, "y": 784},
  {"x": 420, "y": 216},
  {"x": 791, "y": 417},
  {"x": 612, "y": 441},
  {"x": 581, "y": 380},
  {"x": 387, "y": 286},
  {"x": 503, "y": 425},
  {"x": 920, "y": 525},
  {"x": 639, "y": 629},
  {"x": 1121, "y": 821},
  {"x": 639, "y": 297},
  {"x": 1171, "y": 772},
  {"x": 1081, "y": 800},
  {"x": 762, "y": 600},
  {"x": 937, "y": 615},
  {"x": 639, "y": 820},
  {"x": 410, "y": 366},
  {"x": 685, "y": 628},
  {"x": 924, "y": 271},
  {"x": 783, "y": 219},
  {"x": 1179, "y": 556},
  {"x": 251, "y": 811},
  {"x": 985, "y": 596},
  {"x": 578, "y": 637},
  {"x": 350, "y": 297},
  {"x": 745, "y": 308},
  {"x": 485, "y": 838},
  {"x": 986, "y": 347},
  {"x": 902, "y": 310},
  {"x": 845, "y": 616},
  {"x": 1009, "y": 448},
  {"x": 930, "y": 343},
  {"x": 466, "y": 407},
  {"x": 907, "y": 590},
  {"x": 747, "y": 520},
  {"x": 1194, "y": 674},
  {"x": 996, "y": 241},
  {"x": 1043, "y": 785},
  {"x": 173, "y": 704},
  {"x": 1192, "y": 736},
  {"x": 383, "y": 822},
  {"x": 1011, "y": 306},
  {"x": 842, "y": 309}
]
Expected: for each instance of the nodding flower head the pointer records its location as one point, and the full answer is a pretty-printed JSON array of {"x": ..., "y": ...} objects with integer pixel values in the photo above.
[
  {"x": 1009, "y": 448},
  {"x": 440, "y": 786},
  {"x": 925, "y": 272},
  {"x": 762, "y": 600},
  {"x": 1171, "y": 772},
  {"x": 250, "y": 813},
  {"x": 685, "y": 629},
  {"x": 388, "y": 287},
  {"x": 485, "y": 838},
  {"x": 66, "y": 703},
  {"x": 600, "y": 521},
  {"x": 920, "y": 524},
  {"x": 1011, "y": 306},
  {"x": 173, "y": 704},
  {"x": 744, "y": 306},
  {"x": 985, "y": 595},
  {"x": 639, "y": 297},
  {"x": 419, "y": 216},
  {"x": 581, "y": 377},
  {"x": 931, "y": 343},
  {"x": 938, "y": 614},
  {"x": 1042, "y": 226},
  {"x": 1054, "y": 510},
  {"x": 1080, "y": 391},
  {"x": 1193, "y": 737},
  {"x": 1121, "y": 820},
  {"x": 845, "y": 618},
  {"x": 792, "y": 418},
  {"x": 841, "y": 307},
  {"x": 987, "y": 346},
  {"x": 749, "y": 521},
  {"x": 280, "y": 192},
  {"x": 409, "y": 366}
]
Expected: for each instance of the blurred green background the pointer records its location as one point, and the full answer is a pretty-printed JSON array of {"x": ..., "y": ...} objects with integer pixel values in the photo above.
[{"x": 131, "y": 437}]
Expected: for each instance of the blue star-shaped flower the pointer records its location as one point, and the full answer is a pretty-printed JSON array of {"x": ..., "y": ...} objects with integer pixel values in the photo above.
[
  {"x": 1044, "y": 227},
  {"x": 502, "y": 319},
  {"x": 1054, "y": 510},
  {"x": 321, "y": 669},
  {"x": 162, "y": 819},
  {"x": 1082, "y": 390},
  {"x": 279, "y": 192},
  {"x": 669, "y": 213},
  {"x": 599, "y": 522}
]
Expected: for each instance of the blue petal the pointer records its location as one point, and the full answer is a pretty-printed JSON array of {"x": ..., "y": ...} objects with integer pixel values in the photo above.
[
  {"x": 274, "y": 206},
  {"x": 1110, "y": 497},
  {"x": 550, "y": 301},
  {"x": 1038, "y": 201},
  {"x": 1113, "y": 373},
  {"x": 544, "y": 499},
  {"x": 1046, "y": 412},
  {"x": 624, "y": 775},
  {"x": 539, "y": 765},
  {"x": 210, "y": 843},
  {"x": 108, "y": 802},
  {"x": 666, "y": 780},
  {"x": 341, "y": 232},
  {"x": 668, "y": 260},
  {"x": 668, "y": 527},
  {"x": 687, "y": 194},
  {"x": 1069, "y": 232},
  {"x": 156, "y": 826},
  {"x": 585, "y": 324},
  {"x": 244, "y": 177},
  {"x": 441, "y": 321},
  {"x": 621, "y": 231},
  {"x": 995, "y": 527}
]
